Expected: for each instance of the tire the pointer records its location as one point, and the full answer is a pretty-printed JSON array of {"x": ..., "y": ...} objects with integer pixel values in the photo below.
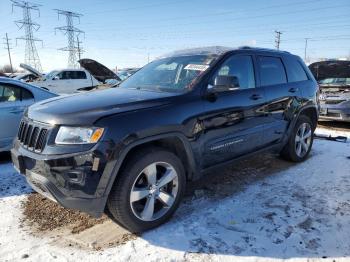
[
  {"x": 291, "y": 150},
  {"x": 127, "y": 201}
]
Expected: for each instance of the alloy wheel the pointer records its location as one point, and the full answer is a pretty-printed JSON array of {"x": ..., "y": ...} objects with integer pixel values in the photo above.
[
  {"x": 303, "y": 139},
  {"x": 154, "y": 191}
]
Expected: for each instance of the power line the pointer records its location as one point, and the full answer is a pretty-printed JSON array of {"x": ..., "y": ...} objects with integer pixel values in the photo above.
[
  {"x": 31, "y": 56},
  {"x": 70, "y": 31},
  {"x": 235, "y": 18},
  {"x": 8, "y": 50}
]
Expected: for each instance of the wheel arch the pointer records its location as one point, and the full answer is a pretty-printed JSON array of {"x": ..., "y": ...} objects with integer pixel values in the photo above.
[
  {"x": 174, "y": 142},
  {"x": 312, "y": 113}
]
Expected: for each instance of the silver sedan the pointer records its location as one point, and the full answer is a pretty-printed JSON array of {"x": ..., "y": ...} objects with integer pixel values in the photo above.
[{"x": 15, "y": 97}]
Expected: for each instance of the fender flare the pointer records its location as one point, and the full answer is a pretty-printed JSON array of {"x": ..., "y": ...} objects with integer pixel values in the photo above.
[
  {"x": 295, "y": 119},
  {"x": 118, "y": 163}
]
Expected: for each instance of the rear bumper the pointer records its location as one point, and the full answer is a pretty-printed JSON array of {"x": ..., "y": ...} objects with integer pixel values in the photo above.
[
  {"x": 71, "y": 180},
  {"x": 334, "y": 112}
]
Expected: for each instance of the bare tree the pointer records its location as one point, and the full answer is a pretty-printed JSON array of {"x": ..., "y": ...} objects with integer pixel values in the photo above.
[{"x": 7, "y": 69}]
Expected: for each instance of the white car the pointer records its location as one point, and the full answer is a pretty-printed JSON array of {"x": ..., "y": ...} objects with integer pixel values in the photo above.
[{"x": 67, "y": 81}]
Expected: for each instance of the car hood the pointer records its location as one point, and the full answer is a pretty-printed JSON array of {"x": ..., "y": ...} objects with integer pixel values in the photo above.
[
  {"x": 86, "y": 108},
  {"x": 31, "y": 69},
  {"x": 330, "y": 69},
  {"x": 97, "y": 70}
]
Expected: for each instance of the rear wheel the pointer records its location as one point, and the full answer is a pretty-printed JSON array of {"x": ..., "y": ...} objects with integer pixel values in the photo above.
[
  {"x": 300, "y": 142},
  {"x": 148, "y": 190}
]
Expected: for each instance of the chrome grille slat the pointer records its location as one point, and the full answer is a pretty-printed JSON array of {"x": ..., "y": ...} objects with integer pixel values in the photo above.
[{"x": 33, "y": 136}]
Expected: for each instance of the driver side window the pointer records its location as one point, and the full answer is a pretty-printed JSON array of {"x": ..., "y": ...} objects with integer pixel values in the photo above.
[{"x": 240, "y": 66}]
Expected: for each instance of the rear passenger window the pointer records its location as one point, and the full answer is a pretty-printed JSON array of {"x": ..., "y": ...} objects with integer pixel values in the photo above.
[
  {"x": 295, "y": 71},
  {"x": 80, "y": 75},
  {"x": 26, "y": 94},
  {"x": 271, "y": 71}
]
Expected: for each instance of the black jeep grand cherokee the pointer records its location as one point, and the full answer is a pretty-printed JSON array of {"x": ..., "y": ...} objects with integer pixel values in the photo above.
[{"x": 132, "y": 148}]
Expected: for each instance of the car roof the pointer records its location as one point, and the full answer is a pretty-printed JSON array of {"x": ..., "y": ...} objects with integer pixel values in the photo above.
[
  {"x": 219, "y": 50},
  {"x": 8, "y": 80}
]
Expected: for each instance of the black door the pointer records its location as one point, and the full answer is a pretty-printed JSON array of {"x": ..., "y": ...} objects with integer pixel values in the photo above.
[
  {"x": 233, "y": 122},
  {"x": 282, "y": 97}
]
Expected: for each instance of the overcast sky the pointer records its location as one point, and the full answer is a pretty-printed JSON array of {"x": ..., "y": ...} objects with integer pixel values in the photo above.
[{"x": 125, "y": 33}]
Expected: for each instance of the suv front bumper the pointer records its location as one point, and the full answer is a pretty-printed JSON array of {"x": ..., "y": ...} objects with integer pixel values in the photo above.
[
  {"x": 71, "y": 180},
  {"x": 335, "y": 112}
]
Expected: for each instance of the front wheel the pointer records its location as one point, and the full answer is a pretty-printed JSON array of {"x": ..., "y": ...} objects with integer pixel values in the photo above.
[
  {"x": 148, "y": 190},
  {"x": 300, "y": 141}
]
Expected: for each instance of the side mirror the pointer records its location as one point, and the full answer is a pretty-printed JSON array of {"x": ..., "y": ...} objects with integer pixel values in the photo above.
[{"x": 224, "y": 83}]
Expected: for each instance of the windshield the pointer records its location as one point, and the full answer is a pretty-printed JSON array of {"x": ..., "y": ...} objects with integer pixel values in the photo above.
[
  {"x": 337, "y": 81},
  {"x": 172, "y": 74}
]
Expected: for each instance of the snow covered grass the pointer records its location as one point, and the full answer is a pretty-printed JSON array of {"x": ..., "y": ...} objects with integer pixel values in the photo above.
[{"x": 299, "y": 213}]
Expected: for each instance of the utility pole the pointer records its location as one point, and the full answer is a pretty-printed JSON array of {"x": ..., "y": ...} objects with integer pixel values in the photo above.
[
  {"x": 278, "y": 39},
  {"x": 305, "y": 51},
  {"x": 79, "y": 50},
  {"x": 31, "y": 53},
  {"x": 8, "y": 50},
  {"x": 70, "y": 31}
]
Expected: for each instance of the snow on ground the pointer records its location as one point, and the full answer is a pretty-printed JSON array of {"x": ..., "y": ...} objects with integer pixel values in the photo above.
[{"x": 301, "y": 213}]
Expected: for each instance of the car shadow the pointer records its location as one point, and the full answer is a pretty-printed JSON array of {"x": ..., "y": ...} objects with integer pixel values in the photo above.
[
  {"x": 343, "y": 126},
  {"x": 219, "y": 217},
  {"x": 11, "y": 182}
]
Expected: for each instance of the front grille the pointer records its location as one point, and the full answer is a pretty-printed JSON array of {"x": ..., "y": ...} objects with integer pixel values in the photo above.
[
  {"x": 333, "y": 115},
  {"x": 32, "y": 136}
]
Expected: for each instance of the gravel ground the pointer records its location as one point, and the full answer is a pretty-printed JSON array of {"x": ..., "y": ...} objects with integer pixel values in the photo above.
[{"x": 42, "y": 215}]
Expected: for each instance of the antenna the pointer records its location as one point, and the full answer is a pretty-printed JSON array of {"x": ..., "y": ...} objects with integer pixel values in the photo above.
[
  {"x": 71, "y": 32},
  {"x": 31, "y": 54}
]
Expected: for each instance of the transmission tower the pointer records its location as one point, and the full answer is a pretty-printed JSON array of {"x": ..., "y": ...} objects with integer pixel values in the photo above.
[
  {"x": 31, "y": 56},
  {"x": 71, "y": 32},
  {"x": 278, "y": 39}
]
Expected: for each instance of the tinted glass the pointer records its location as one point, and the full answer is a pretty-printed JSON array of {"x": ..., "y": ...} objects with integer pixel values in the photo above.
[
  {"x": 79, "y": 75},
  {"x": 63, "y": 75},
  {"x": 240, "y": 67},
  {"x": 9, "y": 93},
  {"x": 26, "y": 94},
  {"x": 295, "y": 71},
  {"x": 271, "y": 71}
]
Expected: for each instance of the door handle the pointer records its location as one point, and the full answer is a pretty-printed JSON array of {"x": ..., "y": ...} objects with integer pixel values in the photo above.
[
  {"x": 255, "y": 97},
  {"x": 293, "y": 90},
  {"x": 16, "y": 112}
]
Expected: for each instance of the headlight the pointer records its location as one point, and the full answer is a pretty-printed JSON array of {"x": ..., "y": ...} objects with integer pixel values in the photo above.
[{"x": 78, "y": 135}]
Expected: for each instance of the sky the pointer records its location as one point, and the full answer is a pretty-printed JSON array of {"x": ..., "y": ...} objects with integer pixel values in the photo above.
[{"x": 131, "y": 33}]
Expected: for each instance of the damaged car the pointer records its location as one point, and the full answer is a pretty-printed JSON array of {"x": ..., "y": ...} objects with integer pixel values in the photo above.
[
  {"x": 68, "y": 81},
  {"x": 132, "y": 149},
  {"x": 334, "y": 80}
]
